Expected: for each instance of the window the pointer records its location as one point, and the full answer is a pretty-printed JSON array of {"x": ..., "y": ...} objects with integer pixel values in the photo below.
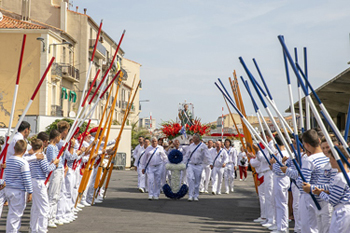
[{"x": 53, "y": 95}]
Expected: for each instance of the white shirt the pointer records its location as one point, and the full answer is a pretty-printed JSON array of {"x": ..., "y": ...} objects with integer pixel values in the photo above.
[
  {"x": 241, "y": 157},
  {"x": 232, "y": 155},
  {"x": 140, "y": 151},
  {"x": 222, "y": 157},
  {"x": 200, "y": 156},
  {"x": 158, "y": 158}
]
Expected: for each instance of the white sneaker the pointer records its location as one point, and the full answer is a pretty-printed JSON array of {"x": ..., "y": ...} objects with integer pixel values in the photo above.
[
  {"x": 141, "y": 190},
  {"x": 240, "y": 179},
  {"x": 190, "y": 199},
  {"x": 264, "y": 222},
  {"x": 267, "y": 225},
  {"x": 77, "y": 209},
  {"x": 155, "y": 198},
  {"x": 232, "y": 190},
  {"x": 245, "y": 179},
  {"x": 98, "y": 201},
  {"x": 150, "y": 198},
  {"x": 80, "y": 205},
  {"x": 227, "y": 192},
  {"x": 58, "y": 222},
  {"x": 85, "y": 203},
  {"x": 259, "y": 220},
  {"x": 64, "y": 220},
  {"x": 195, "y": 199},
  {"x": 52, "y": 225},
  {"x": 206, "y": 192},
  {"x": 272, "y": 228},
  {"x": 219, "y": 193},
  {"x": 277, "y": 231}
]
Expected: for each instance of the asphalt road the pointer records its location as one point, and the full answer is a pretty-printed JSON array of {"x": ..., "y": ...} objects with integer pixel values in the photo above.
[{"x": 127, "y": 210}]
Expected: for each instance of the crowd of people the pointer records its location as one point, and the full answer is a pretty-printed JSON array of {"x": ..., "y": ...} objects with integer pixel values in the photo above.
[
  {"x": 324, "y": 180},
  {"x": 27, "y": 166},
  {"x": 206, "y": 162}
]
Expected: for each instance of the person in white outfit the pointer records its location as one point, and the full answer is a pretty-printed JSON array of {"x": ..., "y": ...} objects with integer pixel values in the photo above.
[
  {"x": 206, "y": 173},
  {"x": 152, "y": 164},
  {"x": 219, "y": 156},
  {"x": 242, "y": 164},
  {"x": 138, "y": 154},
  {"x": 230, "y": 167},
  {"x": 196, "y": 155}
]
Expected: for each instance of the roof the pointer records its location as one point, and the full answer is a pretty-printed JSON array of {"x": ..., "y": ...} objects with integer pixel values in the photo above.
[
  {"x": 334, "y": 94},
  {"x": 11, "y": 23}
]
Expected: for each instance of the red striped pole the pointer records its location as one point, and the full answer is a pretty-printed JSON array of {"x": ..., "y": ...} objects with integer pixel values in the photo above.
[{"x": 222, "y": 124}]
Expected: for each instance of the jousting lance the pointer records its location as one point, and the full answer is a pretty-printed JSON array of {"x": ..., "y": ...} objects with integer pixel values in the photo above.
[
  {"x": 313, "y": 108},
  {"x": 26, "y": 110}
]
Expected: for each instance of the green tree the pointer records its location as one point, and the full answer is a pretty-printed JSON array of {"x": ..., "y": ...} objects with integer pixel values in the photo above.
[
  {"x": 53, "y": 125},
  {"x": 136, "y": 132}
]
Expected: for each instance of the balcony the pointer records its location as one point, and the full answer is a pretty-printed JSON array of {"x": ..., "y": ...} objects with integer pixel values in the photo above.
[
  {"x": 65, "y": 71},
  {"x": 56, "y": 110},
  {"x": 101, "y": 51}
]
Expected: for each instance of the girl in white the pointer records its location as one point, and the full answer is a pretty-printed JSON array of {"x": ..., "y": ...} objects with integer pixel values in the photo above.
[{"x": 230, "y": 167}]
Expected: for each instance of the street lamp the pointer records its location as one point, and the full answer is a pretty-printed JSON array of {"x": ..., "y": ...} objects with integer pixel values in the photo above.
[
  {"x": 140, "y": 103},
  {"x": 42, "y": 41},
  {"x": 64, "y": 43}
]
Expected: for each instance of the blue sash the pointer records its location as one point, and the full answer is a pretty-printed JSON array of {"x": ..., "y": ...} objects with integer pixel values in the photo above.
[
  {"x": 138, "y": 162},
  {"x": 192, "y": 154},
  {"x": 217, "y": 157},
  {"x": 151, "y": 158}
]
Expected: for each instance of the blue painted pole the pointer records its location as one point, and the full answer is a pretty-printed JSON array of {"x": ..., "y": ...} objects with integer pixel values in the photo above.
[
  {"x": 313, "y": 108},
  {"x": 346, "y": 134}
]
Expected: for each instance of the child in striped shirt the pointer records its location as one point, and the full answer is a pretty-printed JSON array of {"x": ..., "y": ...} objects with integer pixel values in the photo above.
[
  {"x": 40, "y": 207},
  {"x": 18, "y": 182},
  {"x": 338, "y": 196}
]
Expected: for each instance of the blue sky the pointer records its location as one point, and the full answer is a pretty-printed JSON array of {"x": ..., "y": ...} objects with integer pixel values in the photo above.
[{"x": 184, "y": 46}]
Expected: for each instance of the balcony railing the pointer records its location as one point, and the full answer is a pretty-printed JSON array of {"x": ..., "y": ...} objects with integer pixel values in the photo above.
[
  {"x": 65, "y": 71},
  {"x": 101, "y": 50},
  {"x": 56, "y": 110}
]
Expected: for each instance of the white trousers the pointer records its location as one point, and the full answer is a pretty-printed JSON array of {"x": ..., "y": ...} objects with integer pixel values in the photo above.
[
  {"x": 76, "y": 185},
  {"x": 69, "y": 182},
  {"x": 40, "y": 207},
  {"x": 216, "y": 176},
  {"x": 307, "y": 211},
  {"x": 90, "y": 188},
  {"x": 296, "y": 199},
  {"x": 340, "y": 219},
  {"x": 229, "y": 177},
  {"x": 261, "y": 190},
  {"x": 154, "y": 180},
  {"x": 269, "y": 198},
  {"x": 62, "y": 205},
  {"x": 205, "y": 178},
  {"x": 194, "y": 173},
  {"x": 55, "y": 191},
  {"x": 281, "y": 186},
  {"x": 16, "y": 204},
  {"x": 141, "y": 179},
  {"x": 2, "y": 200},
  {"x": 324, "y": 217}
]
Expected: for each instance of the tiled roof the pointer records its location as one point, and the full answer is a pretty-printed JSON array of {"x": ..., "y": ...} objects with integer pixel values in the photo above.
[{"x": 12, "y": 23}]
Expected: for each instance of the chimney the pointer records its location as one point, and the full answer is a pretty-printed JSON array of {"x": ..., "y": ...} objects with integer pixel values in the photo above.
[
  {"x": 76, "y": 8},
  {"x": 85, "y": 9},
  {"x": 63, "y": 16},
  {"x": 26, "y": 10}
]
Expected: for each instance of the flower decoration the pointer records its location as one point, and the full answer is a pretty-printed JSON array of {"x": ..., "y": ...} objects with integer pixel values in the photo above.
[
  {"x": 175, "y": 156},
  {"x": 180, "y": 194},
  {"x": 171, "y": 129},
  {"x": 197, "y": 127}
]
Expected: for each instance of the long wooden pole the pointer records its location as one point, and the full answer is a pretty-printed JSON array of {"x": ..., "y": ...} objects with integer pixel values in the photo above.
[
  {"x": 99, "y": 171},
  {"x": 234, "y": 122},
  {"x": 118, "y": 140},
  {"x": 85, "y": 177}
]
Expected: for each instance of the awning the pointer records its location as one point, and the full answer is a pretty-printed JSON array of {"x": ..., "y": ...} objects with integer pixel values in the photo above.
[
  {"x": 72, "y": 96},
  {"x": 64, "y": 94}
]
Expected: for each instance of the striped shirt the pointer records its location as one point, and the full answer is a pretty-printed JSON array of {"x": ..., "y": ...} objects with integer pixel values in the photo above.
[
  {"x": 339, "y": 191},
  {"x": 17, "y": 174},
  {"x": 276, "y": 168},
  {"x": 51, "y": 154},
  {"x": 40, "y": 168},
  {"x": 312, "y": 169}
]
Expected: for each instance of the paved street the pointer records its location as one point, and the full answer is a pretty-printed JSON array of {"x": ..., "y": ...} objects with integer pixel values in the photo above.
[{"x": 127, "y": 210}]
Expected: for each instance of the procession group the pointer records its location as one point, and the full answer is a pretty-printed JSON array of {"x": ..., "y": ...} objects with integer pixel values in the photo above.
[
  {"x": 324, "y": 180},
  {"x": 27, "y": 167},
  {"x": 205, "y": 162}
]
